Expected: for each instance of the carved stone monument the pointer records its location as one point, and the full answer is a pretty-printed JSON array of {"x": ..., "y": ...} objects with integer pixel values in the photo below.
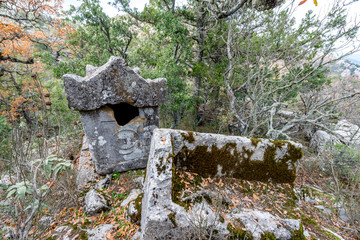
[{"x": 119, "y": 111}]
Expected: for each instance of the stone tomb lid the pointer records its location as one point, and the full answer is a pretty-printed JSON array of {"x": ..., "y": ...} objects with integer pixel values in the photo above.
[{"x": 112, "y": 83}]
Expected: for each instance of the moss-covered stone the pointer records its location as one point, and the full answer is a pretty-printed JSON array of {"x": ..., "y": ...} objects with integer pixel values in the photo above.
[
  {"x": 171, "y": 217},
  {"x": 227, "y": 161},
  {"x": 299, "y": 234},
  {"x": 161, "y": 167},
  {"x": 190, "y": 137},
  {"x": 178, "y": 186},
  {"x": 255, "y": 142},
  {"x": 82, "y": 234},
  {"x": 309, "y": 221},
  {"x": 268, "y": 236},
  {"x": 237, "y": 233},
  {"x": 136, "y": 218}
]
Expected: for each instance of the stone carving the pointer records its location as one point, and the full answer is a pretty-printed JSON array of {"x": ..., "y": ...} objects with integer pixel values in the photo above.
[
  {"x": 209, "y": 155},
  {"x": 119, "y": 111}
]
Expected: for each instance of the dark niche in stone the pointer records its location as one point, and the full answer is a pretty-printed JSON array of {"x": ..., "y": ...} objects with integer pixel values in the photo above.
[
  {"x": 124, "y": 112},
  {"x": 119, "y": 111}
]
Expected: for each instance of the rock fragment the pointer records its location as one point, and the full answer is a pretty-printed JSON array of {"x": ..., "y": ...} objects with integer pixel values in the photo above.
[{"x": 95, "y": 203}]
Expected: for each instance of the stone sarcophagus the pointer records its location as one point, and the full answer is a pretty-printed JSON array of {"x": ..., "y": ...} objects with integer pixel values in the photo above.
[
  {"x": 166, "y": 212},
  {"x": 119, "y": 111}
]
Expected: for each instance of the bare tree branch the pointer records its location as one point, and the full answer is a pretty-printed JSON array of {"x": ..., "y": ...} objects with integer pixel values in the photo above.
[{"x": 232, "y": 10}]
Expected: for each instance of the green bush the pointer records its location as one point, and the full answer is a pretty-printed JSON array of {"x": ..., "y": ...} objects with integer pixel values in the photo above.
[
  {"x": 61, "y": 118},
  {"x": 346, "y": 160},
  {"x": 5, "y": 139}
]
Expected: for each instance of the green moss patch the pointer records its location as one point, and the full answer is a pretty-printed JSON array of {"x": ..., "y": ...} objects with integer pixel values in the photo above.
[
  {"x": 209, "y": 161},
  {"x": 161, "y": 167},
  {"x": 177, "y": 187},
  {"x": 268, "y": 236},
  {"x": 299, "y": 234},
  {"x": 189, "y": 138},
  {"x": 255, "y": 141},
  {"x": 78, "y": 230},
  {"x": 278, "y": 199},
  {"x": 171, "y": 216},
  {"x": 237, "y": 233},
  {"x": 180, "y": 182},
  {"x": 136, "y": 218}
]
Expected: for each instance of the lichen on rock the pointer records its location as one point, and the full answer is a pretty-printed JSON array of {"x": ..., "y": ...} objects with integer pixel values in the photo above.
[{"x": 133, "y": 210}]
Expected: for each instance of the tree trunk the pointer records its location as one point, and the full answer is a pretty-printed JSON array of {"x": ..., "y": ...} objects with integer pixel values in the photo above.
[{"x": 199, "y": 61}]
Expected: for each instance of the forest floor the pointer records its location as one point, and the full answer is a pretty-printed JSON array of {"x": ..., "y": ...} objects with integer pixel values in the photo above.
[{"x": 308, "y": 199}]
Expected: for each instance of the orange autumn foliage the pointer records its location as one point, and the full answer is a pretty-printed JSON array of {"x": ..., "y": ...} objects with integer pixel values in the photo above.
[
  {"x": 18, "y": 105},
  {"x": 304, "y": 1},
  {"x": 19, "y": 22},
  {"x": 27, "y": 27}
]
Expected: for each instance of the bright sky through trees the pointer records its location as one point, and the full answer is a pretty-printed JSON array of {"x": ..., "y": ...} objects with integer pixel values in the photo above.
[
  {"x": 309, "y": 5},
  {"x": 299, "y": 11}
]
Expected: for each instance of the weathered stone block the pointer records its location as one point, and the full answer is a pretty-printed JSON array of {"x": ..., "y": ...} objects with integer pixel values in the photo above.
[
  {"x": 95, "y": 202},
  {"x": 112, "y": 83},
  {"x": 258, "y": 223},
  {"x": 320, "y": 139},
  {"x": 86, "y": 172},
  {"x": 119, "y": 111},
  {"x": 208, "y": 155},
  {"x": 211, "y": 155},
  {"x": 347, "y": 132}
]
